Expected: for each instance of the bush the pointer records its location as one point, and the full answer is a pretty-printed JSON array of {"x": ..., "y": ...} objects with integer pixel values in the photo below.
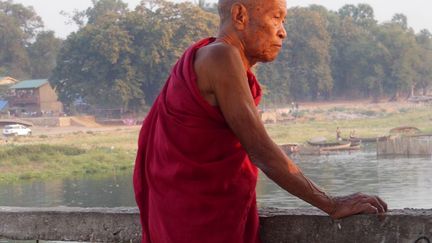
[{"x": 37, "y": 151}]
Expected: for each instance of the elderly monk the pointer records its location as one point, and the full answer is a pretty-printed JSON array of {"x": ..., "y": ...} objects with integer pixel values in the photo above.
[{"x": 202, "y": 141}]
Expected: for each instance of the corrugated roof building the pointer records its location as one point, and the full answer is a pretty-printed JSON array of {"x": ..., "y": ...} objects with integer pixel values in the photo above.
[
  {"x": 30, "y": 84},
  {"x": 34, "y": 96}
]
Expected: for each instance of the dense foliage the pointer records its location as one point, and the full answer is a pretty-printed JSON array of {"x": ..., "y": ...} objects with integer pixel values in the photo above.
[
  {"x": 121, "y": 57},
  {"x": 348, "y": 54},
  {"x": 26, "y": 50}
]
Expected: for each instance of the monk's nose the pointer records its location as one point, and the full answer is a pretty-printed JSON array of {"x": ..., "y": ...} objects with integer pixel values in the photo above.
[{"x": 282, "y": 32}]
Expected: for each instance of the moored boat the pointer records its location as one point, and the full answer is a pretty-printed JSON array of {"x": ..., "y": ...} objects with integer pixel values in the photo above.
[
  {"x": 367, "y": 139},
  {"x": 336, "y": 146},
  {"x": 330, "y": 144},
  {"x": 290, "y": 148}
]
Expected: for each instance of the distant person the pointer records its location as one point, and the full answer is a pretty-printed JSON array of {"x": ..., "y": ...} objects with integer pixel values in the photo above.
[
  {"x": 352, "y": 134},
  {"x": 200, "y": 145},
  {"x": 338, "y": 134},
  {"x": 292, "y": 107}
]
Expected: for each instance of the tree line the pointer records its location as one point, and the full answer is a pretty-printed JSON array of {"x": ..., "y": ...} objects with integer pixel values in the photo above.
[
  {"x": 121, "y": 58},
  {"x": 26, "y": 50},
  {"x": 347, "y": 53}
]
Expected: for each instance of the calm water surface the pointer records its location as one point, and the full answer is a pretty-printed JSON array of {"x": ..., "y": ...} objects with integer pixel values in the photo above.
[{"x": 402, "y": 182}]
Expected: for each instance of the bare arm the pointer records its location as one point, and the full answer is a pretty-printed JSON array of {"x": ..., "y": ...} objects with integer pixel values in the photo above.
[{"x": 226, "y": 80}]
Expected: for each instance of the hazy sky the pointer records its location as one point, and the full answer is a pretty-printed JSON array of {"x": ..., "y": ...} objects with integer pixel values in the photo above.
[{"x": 419, "y": 12}]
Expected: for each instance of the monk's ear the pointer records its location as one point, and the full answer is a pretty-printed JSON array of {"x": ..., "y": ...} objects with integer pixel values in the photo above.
[{"x": 239, "y": 16}]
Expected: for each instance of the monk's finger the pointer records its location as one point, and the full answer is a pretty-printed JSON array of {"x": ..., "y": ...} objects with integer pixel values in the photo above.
[
  {"x": 367, "y": 208},
  {"x": 374, "y": 202},
  {"x": 358, "y": 196},
  {"x": 358, "y": 207},
  {"x": 382, "y": 203}
]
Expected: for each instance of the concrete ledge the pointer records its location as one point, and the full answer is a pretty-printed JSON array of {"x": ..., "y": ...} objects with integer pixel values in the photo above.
[
  {"x": 70, "y": 224},
  {"x": 399, "y": 226},
  {"x": 277, "y": 226}
]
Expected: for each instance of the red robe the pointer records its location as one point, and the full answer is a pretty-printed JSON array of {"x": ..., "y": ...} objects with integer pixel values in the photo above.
[{"x": 193, "y": 181}]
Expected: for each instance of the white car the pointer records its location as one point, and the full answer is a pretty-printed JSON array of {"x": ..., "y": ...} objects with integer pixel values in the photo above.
[{"x": 16, "y": 130}]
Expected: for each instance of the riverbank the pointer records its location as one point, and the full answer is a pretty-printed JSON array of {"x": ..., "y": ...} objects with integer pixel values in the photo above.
[
  {"x": 68, "y": 153},
  {"x": 365, "y": 119},
  {"x": 77, "y": 152}
]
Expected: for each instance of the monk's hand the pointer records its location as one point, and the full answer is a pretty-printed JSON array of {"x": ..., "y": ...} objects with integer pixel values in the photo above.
[{"x": 358, "y": 203}]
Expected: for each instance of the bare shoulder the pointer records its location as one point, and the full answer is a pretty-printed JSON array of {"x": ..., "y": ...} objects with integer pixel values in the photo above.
[
  {"x": 218, "y": 57},
  {"x": 217, "y": 66}
]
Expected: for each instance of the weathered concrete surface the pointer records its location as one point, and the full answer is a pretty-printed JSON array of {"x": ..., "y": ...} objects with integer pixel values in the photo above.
[
  {"x": 399, "y": 226},
  {"x": 70, "y": 224},
  {"x": 277, "y": 226}
]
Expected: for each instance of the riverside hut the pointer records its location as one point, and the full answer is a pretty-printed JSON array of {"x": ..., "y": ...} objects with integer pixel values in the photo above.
[{"x": 414, "y": 145}]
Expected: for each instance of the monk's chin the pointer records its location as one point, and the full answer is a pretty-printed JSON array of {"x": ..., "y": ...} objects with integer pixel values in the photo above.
[{"x": 268, "y": 59}]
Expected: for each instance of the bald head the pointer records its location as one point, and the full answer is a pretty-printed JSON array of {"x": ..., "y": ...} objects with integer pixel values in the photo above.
[
  {"x": 224, "y": 7},
  {"x": 255, "y": 27}
]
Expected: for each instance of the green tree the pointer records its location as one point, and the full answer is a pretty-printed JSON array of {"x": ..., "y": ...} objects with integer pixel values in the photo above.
[
  {"x": 125, "y": 56},
  {"x": 101, "y": 8},
  {"x": 357, "y": 57},
  {"x": 424, "y": 67},
  {"x": 308, "y": 53},
  {"x": 166, "y": 29},
  {"x": 403, "y": 57},
  {"x": 18, "y": 27},
  {"x": 401, "y": 20},
  {"x": 24, "y": 17},
  {"x": 94, "y": 65},
  {"x": 362, "y": 14},
  {"x": 43, "y": 53}
]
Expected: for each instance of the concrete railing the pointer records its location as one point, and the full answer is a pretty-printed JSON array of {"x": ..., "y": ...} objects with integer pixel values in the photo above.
[{"x": 277, "y": 226}]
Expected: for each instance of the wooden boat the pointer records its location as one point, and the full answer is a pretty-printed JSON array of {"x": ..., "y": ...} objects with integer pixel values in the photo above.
[
  {"x": 318, "y": 146},
  {"x": 308, "y": 149},
  {"x": 290, "y": 148},
  {"x": 355, "y": 143},
  {"x": 366, "y": 139},
  {"x": 350, "y": 148},
  {"x": 330, "y": 144},
  {"x": 336, "y": 146}
]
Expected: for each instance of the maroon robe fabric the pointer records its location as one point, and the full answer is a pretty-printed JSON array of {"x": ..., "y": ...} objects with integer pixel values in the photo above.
[{"x": 193, "y": 181}]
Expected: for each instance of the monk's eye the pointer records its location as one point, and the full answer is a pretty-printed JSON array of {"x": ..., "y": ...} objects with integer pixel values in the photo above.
[{"x": 279, "y": 19}]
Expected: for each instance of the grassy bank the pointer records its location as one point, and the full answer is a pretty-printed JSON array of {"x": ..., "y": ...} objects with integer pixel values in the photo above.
[
  {"x": 364, "y": 127},
  {"x": 42, "y": 161},
  {"x": 96, "y": 153}
]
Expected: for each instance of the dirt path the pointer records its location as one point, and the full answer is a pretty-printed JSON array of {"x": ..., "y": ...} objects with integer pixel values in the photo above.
[
  {"x": 48, "y": 131},
  {"x": 387, "y": 107},
  {"x": 360, "y": 104}
]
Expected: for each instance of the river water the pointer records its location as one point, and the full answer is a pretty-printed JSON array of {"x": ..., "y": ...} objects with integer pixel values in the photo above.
[{"x": 401, "y": 182}]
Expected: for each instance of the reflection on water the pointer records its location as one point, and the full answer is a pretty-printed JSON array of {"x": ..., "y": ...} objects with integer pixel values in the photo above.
[
  {"x": 402, "y": 182},
  {"x": 90, "y": 192}
]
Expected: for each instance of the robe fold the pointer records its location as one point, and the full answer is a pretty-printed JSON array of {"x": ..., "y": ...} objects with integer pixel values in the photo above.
[{"x": 193, "y": 181}]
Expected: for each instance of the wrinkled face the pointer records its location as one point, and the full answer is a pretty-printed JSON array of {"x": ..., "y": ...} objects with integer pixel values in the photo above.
[{"x": 265, "y": 31}]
